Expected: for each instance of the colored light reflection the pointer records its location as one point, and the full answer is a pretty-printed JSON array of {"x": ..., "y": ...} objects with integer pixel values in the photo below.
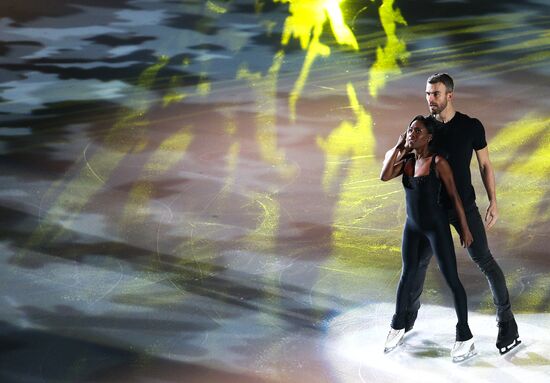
[{"x": 306, "y": 24}]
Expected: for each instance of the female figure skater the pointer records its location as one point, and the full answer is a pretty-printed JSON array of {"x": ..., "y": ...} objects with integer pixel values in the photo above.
[{"x": 424, "y": 173}]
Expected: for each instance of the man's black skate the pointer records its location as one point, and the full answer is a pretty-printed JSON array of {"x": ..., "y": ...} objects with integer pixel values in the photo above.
[{"x": 508, "y": 336}]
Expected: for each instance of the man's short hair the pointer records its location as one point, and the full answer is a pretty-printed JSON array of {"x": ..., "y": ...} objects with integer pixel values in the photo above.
[{"x": 443, "y": 78}]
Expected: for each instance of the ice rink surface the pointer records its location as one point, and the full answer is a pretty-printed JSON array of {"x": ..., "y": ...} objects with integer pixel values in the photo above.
[{"x": 355, "y": 344}]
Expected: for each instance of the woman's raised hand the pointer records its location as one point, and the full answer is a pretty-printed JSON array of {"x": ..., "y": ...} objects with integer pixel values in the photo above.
[{"x": 401, "y": 141}]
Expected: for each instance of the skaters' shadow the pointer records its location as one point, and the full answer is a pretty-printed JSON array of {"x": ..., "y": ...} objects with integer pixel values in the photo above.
[
  {"x": 290, "y": 303},
  {"x": 28, "y": 355},
  {"x": 429, "y": 349},
  {"x": 532, "y": 359}
]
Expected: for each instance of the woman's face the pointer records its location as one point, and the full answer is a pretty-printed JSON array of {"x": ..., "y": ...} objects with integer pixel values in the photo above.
[{"x": 417, "y": 135}]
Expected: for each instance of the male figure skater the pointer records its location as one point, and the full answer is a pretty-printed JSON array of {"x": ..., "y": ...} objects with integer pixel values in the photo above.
[{"x": 460, "y": 135}]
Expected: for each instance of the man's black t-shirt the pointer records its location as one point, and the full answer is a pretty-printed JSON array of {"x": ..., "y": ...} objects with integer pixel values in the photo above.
[{"x": 456, "y": 140}]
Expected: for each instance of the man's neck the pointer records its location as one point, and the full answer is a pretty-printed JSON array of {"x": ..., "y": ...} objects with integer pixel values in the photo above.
[{"x": 446, "y": 115}]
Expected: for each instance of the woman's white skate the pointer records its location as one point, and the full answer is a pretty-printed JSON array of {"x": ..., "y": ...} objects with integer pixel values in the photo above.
[
  {"x": 394, "y": 339},
  {"x": 463, "y": 350}
]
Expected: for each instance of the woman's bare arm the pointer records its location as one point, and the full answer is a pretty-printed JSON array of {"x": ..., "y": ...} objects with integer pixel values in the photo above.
[
  {"x": 393, "y": 161},
  {"x": 446, "y": 176}
]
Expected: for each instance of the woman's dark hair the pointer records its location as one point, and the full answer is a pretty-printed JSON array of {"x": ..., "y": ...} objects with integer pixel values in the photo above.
[{"x": 430, "y": 124}]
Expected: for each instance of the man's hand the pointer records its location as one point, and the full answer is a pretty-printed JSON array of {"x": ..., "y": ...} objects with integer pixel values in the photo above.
[{"x": 492, "y": 215}]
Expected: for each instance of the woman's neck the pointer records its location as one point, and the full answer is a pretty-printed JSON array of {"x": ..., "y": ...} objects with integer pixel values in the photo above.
[{"x": 422, "y": 153}]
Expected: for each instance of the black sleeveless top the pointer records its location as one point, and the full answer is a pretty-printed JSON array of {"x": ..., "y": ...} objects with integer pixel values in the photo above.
[{"x": 422, "y": 195}]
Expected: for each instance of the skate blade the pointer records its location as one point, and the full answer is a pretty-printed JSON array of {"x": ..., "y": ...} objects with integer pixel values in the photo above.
[
  {"x": 463, "y": 358},
  {"x": 510, "y": 347}
]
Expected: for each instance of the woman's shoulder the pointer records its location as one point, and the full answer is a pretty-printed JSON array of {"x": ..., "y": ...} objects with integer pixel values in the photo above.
[
  {"x": 438, "y": 157},
  {"x": 441, "y": 163}
]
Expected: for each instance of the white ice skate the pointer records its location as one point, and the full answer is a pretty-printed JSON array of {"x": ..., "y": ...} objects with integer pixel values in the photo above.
[
  {"x": 463, "y": 350},
  {"x": 394, "y": 339}
]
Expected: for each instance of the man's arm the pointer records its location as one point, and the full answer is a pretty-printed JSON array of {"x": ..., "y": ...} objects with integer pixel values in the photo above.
[{"x": 488, "y": 177}]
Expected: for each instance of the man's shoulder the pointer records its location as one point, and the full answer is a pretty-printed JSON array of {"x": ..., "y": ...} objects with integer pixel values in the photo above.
[
  {"x": 464, "y": 119},
  {"x": 474, "y": 131}
]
